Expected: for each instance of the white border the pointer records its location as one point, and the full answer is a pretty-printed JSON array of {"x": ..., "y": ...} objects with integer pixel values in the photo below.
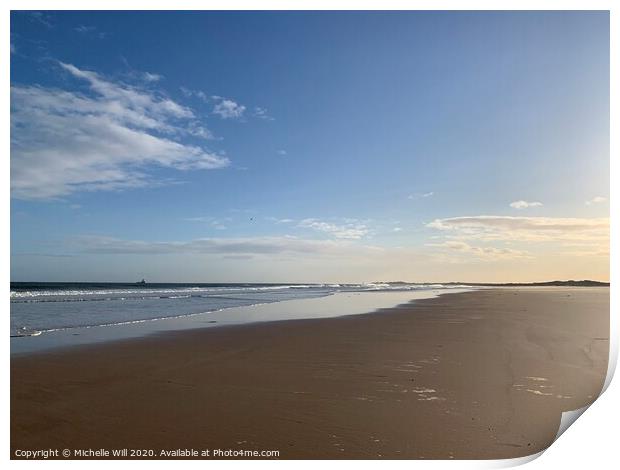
[{"x": 590, "y": 443}]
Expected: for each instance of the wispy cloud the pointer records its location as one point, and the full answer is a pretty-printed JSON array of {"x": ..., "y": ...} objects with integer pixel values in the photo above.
[
  {"x": 282, "y": 152},
  {"x": 212, "y": 221},
  {"x": 533, "y": 229},
  {"x": 228, "y": 109},
  {"x": 585, "y": 250},
  {"x": 421, "y": 195},
  {"x": 140, "y": 75},
  {"x": 40, "y": 17},
  {"x": 87, "y": 30},
  {"x": 261, "y": 113},
  {"x": 596, "y": 200},
  {"x": 226, "y": 246},
  {"x": 521, "y": 204},
  {"x": 347, "y": 231},
  {"x": 484, "y": 253},
  {"x": 188, "y": 93},
  {"x": 152, "y": 77},
  {"x": 279, "y": 221},
  {"x": 487, "y": 238},
  {"x": 197, "y": 129},
  {"x": 106, "y": 139}
]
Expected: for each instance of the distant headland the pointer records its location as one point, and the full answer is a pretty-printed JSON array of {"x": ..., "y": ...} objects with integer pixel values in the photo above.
[{"x": 569, "y": 283}]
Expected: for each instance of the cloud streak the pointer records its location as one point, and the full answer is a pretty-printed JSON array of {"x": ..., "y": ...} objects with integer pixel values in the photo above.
[
  {"x": 107, "y": 139},
  {"x": 40, "y": 17},
  {"x": 225, "y": 246},
  {"x": 521, "y": 204},
  {"x": 529, "y": 229},
  {"x": 596, "y": 200},
  {"x": 349, "y": 231},
  {"x": 261, "y": 113},
  {"x": 90, "y": 31},
  {"x": 483, "y": 253},
  {"x": 421, "y": 195}
]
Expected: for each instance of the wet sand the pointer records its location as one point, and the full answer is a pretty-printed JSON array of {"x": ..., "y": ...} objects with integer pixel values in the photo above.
[{"x": 475, "y": 375}]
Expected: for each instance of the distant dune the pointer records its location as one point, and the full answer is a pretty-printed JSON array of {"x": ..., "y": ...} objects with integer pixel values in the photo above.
[{"x": 570, "y": 283}]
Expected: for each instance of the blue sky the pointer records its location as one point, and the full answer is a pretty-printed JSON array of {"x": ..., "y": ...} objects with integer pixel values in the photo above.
[{"x": 309, "y": 146}]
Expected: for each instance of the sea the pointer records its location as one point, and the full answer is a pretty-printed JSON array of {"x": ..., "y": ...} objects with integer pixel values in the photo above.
[
  {"x": 47, "y": 315},
  {"x": 40, "y": 307}
]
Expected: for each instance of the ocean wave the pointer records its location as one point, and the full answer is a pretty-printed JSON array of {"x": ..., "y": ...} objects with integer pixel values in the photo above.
[
  {"x": 46, "y": 310},
  {"x": 82, "y": 295},
  {"x": 29, "y": 331},
  {"x": 17, "y": 294}
]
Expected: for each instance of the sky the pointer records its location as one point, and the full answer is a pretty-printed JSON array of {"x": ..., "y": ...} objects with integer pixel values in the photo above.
[{"x": 309, "y": 146}]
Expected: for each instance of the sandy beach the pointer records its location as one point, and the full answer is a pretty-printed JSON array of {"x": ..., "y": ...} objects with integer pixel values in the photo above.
[{"x": 475, "y": 375}]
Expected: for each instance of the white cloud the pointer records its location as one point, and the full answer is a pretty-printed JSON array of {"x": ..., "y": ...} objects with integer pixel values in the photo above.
[
  {"x": 261, "y": 113},
  {"x": 138, "y": 100},
  {"x": 90, "y": 31},
  {"x": 212, "y": 221},
  {"x": 66, "y": 141},
  {"x": 227, "y": 246},
  {"x": 279, "y": 221},
  {"x": 350, "y": 230},
  {"x": 85, "y": 29},
  {"x": 596, "y": 200},
  {"x": 496, "y": 238},
  {"x": 484, "y": 253},
  {"x": 228, "y": 109},
  {"x": 151, "y": 77},
  {"x": 534, "y": 229},
  {"x": 197, "y": 130},
  {"x": 199, "y": 219},
  {"x": 195, "y": 93},
  {"x": 521, "y": 204},
  {"x": 282, "y": 152},
  {"x": 421, "y": 195},
  {"x": 40, "y": 17},
  {"x": 275, "y": 258}
]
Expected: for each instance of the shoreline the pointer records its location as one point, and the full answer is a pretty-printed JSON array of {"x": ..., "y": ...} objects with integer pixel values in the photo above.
[
  {"x": 327, "y": 306},
  {"x": 480, "y": 374}
]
